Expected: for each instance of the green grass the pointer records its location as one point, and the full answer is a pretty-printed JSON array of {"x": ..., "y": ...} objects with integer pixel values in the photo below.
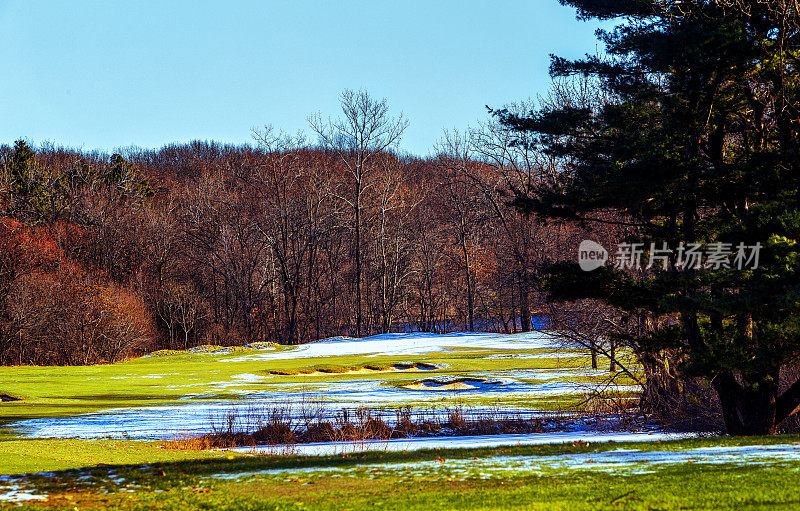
[
  {"x": 170, "y": 482},
  {"x": 63, "y": 391},
  {"x": 153, "y": 475},
  {"x": 48, "y": 455}
]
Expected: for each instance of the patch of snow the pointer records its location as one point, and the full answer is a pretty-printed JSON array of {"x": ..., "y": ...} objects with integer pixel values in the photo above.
[
  {"x": 249, "y": 377},
  {"x": 169, "y": 421},
  {"x": 16, "y": 494},
  {"x": 410, "y": 344},
  {"x": 459, "y": 442},
  {"x": 549, "y": 374},
  {"x": 619, "y": 461},
  {"x": 179, "y": 421},
  {"x": 548, "y": 354}
]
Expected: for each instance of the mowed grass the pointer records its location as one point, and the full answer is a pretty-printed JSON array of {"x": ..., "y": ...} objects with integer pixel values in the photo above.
[
  {"x": 28, "y": 456},
  {"x": 129, "y": 474},
  {"x": 64, "y": 391},
  {"x": 193, "y": 484}
]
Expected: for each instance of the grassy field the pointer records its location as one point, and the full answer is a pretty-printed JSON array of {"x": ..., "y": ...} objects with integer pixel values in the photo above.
[
  {"x": 122, "y": 473},
  {"x": 181, "y": 480},
  {"x": 65, "y": 391}
]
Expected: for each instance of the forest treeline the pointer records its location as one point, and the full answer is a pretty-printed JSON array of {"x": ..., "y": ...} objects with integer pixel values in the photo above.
[
  {"x": 108, "y": 256},
  {"x": 685, "y": 132}
]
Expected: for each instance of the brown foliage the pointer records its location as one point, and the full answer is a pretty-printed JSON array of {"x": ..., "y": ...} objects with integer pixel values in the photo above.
[
  {"x": 278, "y": 426},
  {"x": 55, "y": 312},
  {"x": 241, "y": 244}
]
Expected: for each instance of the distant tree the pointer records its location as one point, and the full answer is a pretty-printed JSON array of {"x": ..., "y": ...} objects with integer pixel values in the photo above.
[
  {"x": 511, "y": 164},
  {"x": 359, "y": 137},
  {"x": 396, "y": 200},
  {"x": 284, "y": 190},
  {"x": 464, "y": 210}
]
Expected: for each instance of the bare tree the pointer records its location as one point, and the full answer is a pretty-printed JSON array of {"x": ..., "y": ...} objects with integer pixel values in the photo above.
[
  {"x": 287, "y": 198},
  {"x": 512, "y": 164},
  {"x": 363, "y": 132},
  {"x": 464, "y": 210},
  {"x": 396, "y": 201}
]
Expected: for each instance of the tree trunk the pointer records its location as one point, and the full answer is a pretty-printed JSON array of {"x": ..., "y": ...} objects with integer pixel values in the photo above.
[
  {"x": 748, "y": 410},
  {"x": 470, "y": 299},
  {"x": 513, "y": 305},
  {"x": 359, "y": 324},
  {"x": 524, "y": 305}
]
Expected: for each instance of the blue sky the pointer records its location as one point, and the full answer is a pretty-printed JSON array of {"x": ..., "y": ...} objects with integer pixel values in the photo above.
[{"x": 103, "y": 75}]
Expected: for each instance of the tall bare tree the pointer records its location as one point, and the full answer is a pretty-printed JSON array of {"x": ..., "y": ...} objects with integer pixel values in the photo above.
[
  {"x": 364, "y": 131},
  {"x": 464, "y": 210}
]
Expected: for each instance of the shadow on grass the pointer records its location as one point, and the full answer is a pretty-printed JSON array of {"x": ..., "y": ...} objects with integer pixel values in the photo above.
[{"x": 173, "y": 471}]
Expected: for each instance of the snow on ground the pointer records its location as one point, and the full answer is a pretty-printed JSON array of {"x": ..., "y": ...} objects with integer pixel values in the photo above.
[
  {"x": 170, "y": 421},
  {"x": 456, "y": 442},
  {"x": 619, "y": 461},
  {"x": 15, "y": 493},
  {"x": 318, "y": 384},
  {"x": 547, "y": 374},
  {"x": 179, "y": 421},
  {"x": 546, "y": 354},
  {"x": 411, "y": 344},
  {"x": 201, "y": 412}
]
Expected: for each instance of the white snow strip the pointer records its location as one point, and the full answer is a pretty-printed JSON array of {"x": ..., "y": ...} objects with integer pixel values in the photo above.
[
  {"x": 16, "y": 494},
  {"x": 547, "y": 354},
  {"x": 165, "y": 422},
  {"x": 410, "y": 344},
  {"x": 620, "y": 461},
  {"x": 460, "y": 442}
]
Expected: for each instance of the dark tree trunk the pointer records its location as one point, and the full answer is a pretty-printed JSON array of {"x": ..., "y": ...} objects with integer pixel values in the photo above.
[
  {"x": 513, "y": 293},
  {"x": 748, "y": 410},
  {"x": 359, "y": 324},
  {"x": 524, "y": 305},
  {"x": 612, "y": 366},
  {"x": 470, "y": 299}
]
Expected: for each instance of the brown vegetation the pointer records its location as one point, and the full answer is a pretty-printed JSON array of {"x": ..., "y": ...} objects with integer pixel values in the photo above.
[
  {"x": 106, "y": 256},
  {"x": 278, "y": 425}
]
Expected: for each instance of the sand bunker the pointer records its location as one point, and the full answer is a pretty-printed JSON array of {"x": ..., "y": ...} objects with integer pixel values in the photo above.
[
  {"x": 450, "y": 385},
  {"x": 362, "y": 370},
  {"x": 329, "y": 372},
  {"x": 419, "y": 366},
  {"x": 401, "y": 366},
  {"x": 439, "y": 386}
]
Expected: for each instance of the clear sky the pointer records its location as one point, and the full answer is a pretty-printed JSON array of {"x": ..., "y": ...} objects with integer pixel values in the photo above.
[{"x": 105, "y": 74}]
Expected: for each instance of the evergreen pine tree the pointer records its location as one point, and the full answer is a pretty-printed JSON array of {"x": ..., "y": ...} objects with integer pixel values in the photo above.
[{"x": 698, "y": 143}]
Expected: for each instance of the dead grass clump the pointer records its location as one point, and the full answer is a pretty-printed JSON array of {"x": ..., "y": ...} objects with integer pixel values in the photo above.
[
  {"x": 283, "y": 426},
  {"x": 214, "y": 441},
  {"x": 320, "y": 432},
  {"x": 282, "y": 372},
  {"x": 682, "y": 405}
]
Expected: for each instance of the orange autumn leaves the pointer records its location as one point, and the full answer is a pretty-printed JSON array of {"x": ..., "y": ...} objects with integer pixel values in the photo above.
[{"x": 59, "y": 312}]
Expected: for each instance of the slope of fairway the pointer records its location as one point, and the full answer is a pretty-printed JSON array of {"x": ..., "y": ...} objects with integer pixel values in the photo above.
[{"x": 164, "y": 396}]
